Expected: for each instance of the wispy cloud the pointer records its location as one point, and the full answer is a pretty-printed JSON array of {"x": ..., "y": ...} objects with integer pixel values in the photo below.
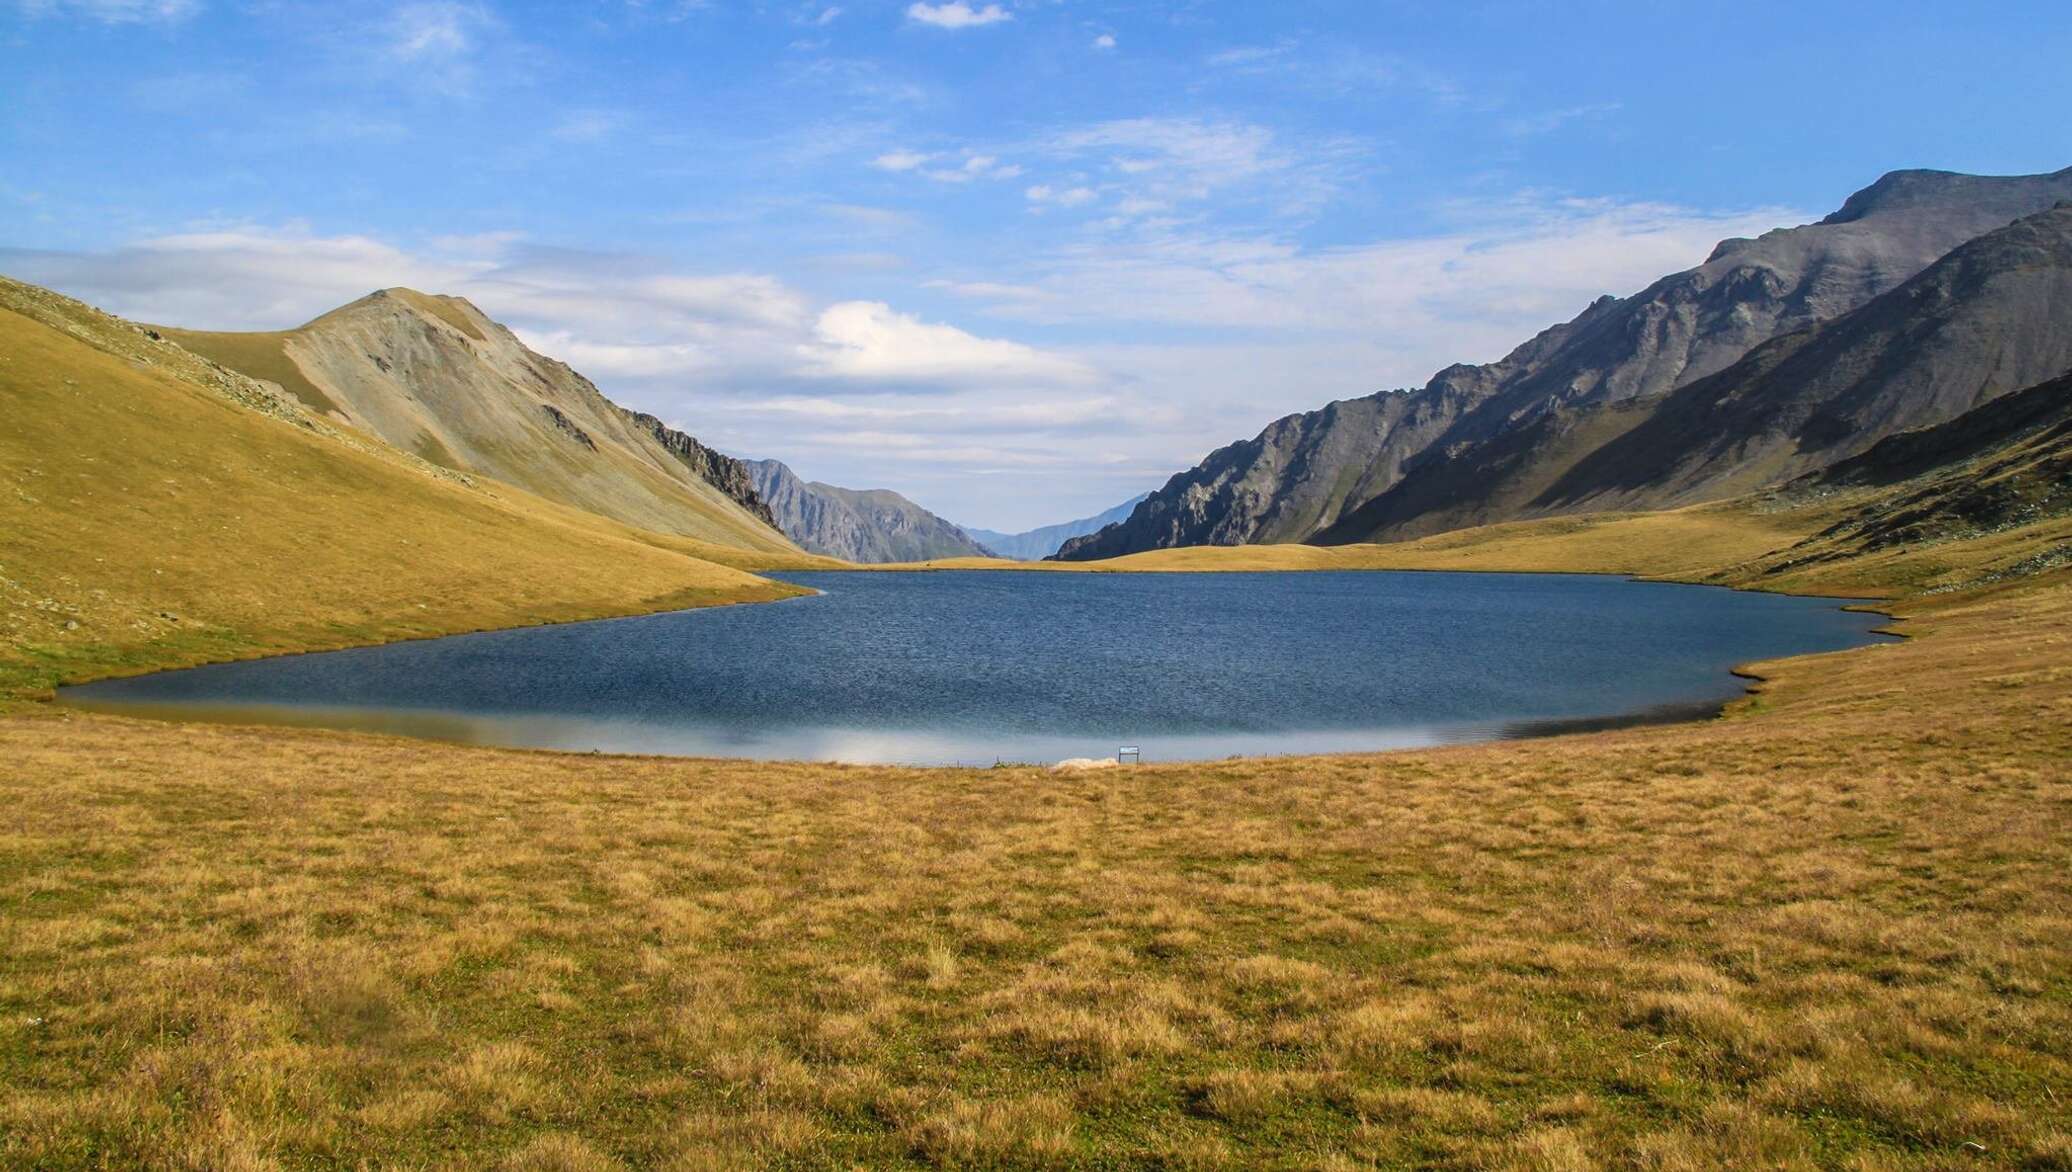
[
  {"x": 115, "y": 11},
  {"x": 1549, "y": 121},
  {"x": 587, "y": 125},
  {"x": 957, "y": 15},
  {"x": 974, "y": 166},
  {"x": 438, "y": 44},
  {"x": 1068, "y": 197},
  {"x": 1153, "y": 165},
  {"x": 900, "y": 160},
  {"x": 949, "y": 167}
]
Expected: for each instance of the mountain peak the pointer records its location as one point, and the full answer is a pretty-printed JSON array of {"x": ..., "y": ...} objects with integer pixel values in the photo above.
[
  {"x": 1922, "y": 187},
  {"x": 457, "y": 312}
]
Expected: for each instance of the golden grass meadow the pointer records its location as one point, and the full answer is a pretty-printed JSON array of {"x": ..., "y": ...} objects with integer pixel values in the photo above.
[{"x": 1832, "y": 929}]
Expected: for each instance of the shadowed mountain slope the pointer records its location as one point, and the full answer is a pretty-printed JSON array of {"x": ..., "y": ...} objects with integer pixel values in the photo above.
[
  {"x": 1036, "y": 544},
  {"x": 1993, "y": 316},
  {"x": 1305, "y": 473},
  {"x": 858, "y": 525},
  {"x": 436, "y": 377},
  {"x": 2001, "y": 468}
]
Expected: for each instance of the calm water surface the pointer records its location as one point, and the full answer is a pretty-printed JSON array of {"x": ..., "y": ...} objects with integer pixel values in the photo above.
[{"x": 929, "y": 668}]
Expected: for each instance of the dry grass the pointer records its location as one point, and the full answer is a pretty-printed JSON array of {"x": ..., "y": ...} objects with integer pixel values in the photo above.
[{"x": 1832, "y": 930}]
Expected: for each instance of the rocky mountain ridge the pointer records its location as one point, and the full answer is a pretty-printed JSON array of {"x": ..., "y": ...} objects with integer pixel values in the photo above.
[
  {"x": 1305, "y": 473},
  {"x": 1992, "y": 317}
]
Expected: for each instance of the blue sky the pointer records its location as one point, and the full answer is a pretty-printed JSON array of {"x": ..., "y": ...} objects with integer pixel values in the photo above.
[{"x": 1018, "y": 259}]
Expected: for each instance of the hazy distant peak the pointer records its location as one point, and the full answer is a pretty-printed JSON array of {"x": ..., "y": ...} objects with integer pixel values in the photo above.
[{"x": 858, "y": 525}]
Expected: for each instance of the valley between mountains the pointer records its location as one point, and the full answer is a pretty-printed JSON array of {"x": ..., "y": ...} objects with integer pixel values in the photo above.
[{"x": 1829, "y": 928}]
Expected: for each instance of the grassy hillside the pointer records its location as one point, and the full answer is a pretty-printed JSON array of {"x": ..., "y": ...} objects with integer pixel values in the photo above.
[{"x": 149, "y": 516}]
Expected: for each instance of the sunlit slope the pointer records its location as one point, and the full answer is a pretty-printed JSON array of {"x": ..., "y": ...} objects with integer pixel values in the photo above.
[
  {"x": 154, "y": 511},
  {"x": 437, "y": 377},
  {"x": 1686, "y": 543}
]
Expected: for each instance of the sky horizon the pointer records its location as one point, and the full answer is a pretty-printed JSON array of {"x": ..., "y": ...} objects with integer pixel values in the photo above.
[{"x": 1019, "y": 260}]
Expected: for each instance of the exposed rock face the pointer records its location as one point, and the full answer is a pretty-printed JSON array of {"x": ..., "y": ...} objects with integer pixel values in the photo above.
[
  {"x": 1303, "y": 474},
  {"x": 871, "y": 526},
  {"x": 1037, "y": 544},
  {"x": 723, "y": 472},
  {"x": 1992, "y": 317},
  {"x": 436, "y": 377}
]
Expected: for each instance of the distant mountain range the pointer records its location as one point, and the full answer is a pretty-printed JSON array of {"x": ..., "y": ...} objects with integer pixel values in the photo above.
[
  {"x": 436, "y": 377},
  {"x": 1916, "y": 301},
  {"x": 1037, "y": 544},
  {"x": 857, "y": 525}
]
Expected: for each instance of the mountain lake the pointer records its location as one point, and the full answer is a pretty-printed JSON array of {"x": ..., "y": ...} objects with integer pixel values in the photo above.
[{"x": 974, "y": 667}]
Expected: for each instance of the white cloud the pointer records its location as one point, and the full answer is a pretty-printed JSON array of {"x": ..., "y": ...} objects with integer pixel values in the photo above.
[
  {"x": 116, "y": 11},
  {"x": 974, "y": 166},
  {"x": 957, "y": 15},
  {"x": 869, "y": 341},
  {"x": 1069, "y": 197},
  {"x": 900, "y": 160},
  {"x": 1506, "y": 270},
  {"x": 1104, "y": 41}
]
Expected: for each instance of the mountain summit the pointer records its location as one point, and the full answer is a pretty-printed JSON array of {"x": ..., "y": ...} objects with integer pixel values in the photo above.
[{"x": 437, "y": 377}]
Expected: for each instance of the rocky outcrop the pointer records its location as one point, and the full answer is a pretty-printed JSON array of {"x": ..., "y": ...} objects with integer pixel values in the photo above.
[
  {"x": 869, "y": 526},
  {"x": 722, "y": 472},
  {"x": 436, "y": 377},
  {"x": 1305, "y": 474}
]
